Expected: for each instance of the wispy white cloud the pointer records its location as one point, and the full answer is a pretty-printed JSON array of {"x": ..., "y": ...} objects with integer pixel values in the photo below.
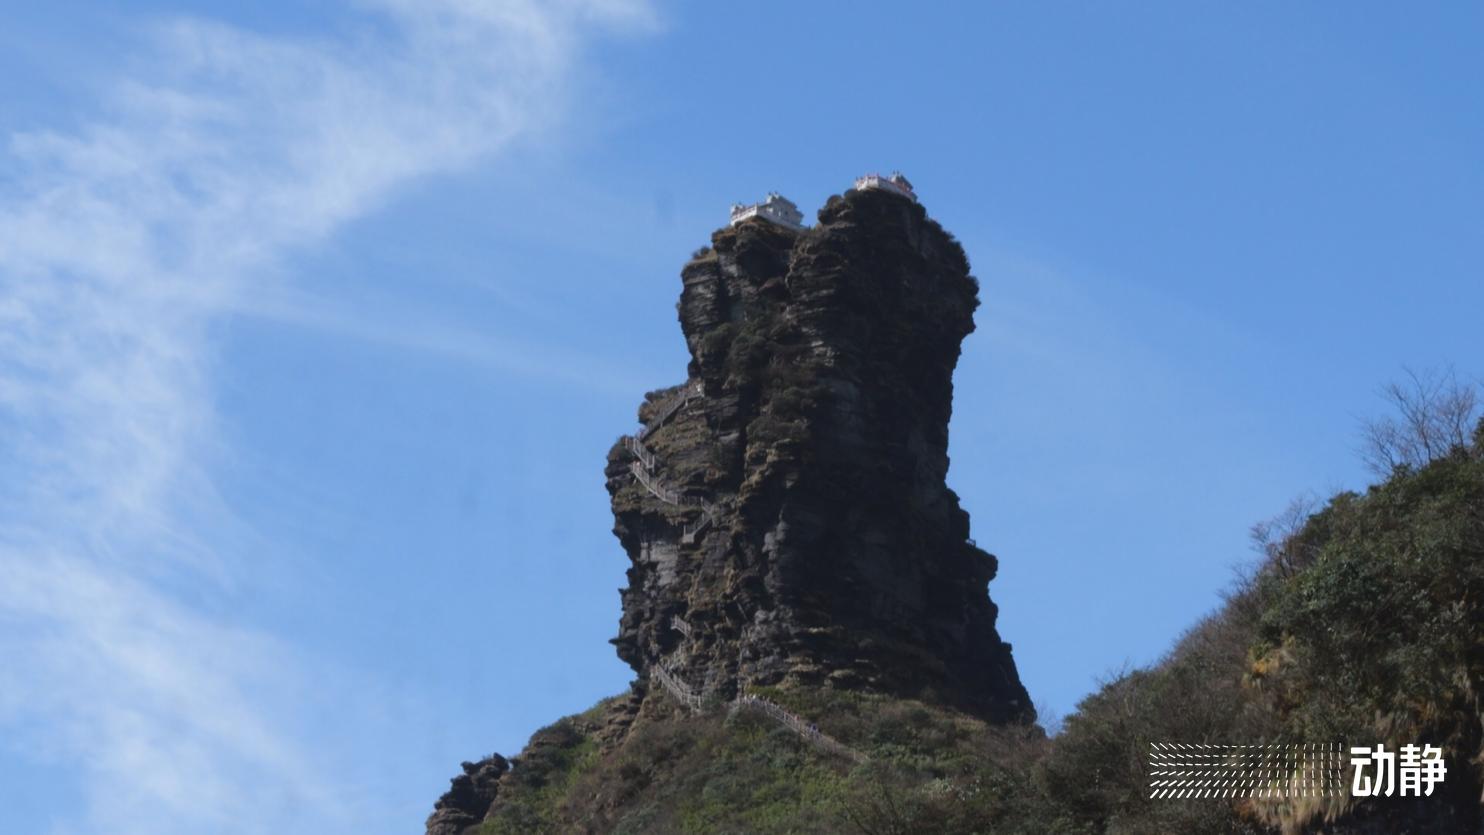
[
  {"x": 121, "y": 245},
  {"x": 426, "y": 334}
]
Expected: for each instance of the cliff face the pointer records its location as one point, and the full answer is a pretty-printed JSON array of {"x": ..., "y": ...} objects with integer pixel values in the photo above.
[
  {"x": 468, "y": 797},
  {"x": 785, "y": 510},
  {"x": 788, "y": 524},
  {"x": 792, "y": 538}
]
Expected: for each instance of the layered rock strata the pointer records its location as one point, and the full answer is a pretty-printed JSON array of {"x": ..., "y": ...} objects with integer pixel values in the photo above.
[{"x": 785, "y": 510}]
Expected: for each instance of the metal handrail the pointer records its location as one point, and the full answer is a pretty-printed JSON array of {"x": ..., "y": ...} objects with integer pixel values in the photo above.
[
  {"x": 808, "y": 730},
  {"x": 683, "y": 694}
]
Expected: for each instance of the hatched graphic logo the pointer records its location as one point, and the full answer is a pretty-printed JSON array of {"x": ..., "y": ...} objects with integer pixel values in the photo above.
[{"x": 1185, "y": 770}]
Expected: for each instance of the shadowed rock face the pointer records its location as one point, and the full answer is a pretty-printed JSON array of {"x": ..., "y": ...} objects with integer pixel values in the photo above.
[
  {"x": 469, "y": 796},
  {"x": 835, "y": 553}
]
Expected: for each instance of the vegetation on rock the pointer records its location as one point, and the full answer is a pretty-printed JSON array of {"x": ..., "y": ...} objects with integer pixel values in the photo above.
[{"x": 836, "y": 580}]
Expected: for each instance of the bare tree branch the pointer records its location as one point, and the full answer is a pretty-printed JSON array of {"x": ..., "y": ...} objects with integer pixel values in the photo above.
[
  {"x": 1434, "y": 415},
  {"x": 1275, "y": 538}
]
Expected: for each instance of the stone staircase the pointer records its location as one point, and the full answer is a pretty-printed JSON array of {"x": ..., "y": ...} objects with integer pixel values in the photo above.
[
  {"x": 691, "y": 532},
  {"x": 640, "y": 451},
  {"x": 643, "y": 468},
  {"x": 691, "y": 392},
  {"x": 694, "y": 700},
  {"x": 807, "y": 730},
  {"x": 676, "y": 688},
  {"x": 657, "y": 488}
]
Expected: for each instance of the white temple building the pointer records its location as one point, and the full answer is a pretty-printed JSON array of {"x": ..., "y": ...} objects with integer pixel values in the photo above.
[
  {"x": 776, "y": 208},
  {"x": 896, "y": 184}
]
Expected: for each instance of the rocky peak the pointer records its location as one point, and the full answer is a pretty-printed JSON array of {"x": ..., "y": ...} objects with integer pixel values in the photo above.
[
  {"x": 785, "y": 509},
  {"x": 468, "y": 797}
]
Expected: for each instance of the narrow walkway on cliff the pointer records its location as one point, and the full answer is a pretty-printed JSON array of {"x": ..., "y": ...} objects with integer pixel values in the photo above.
[
  {"x": 682, "y": 693},
  {"x": 808, "y": 730},
  {"x": 695, "y": 701},
  {"x": 691, "y": 392},
  {"x": 644, "y": 469}
]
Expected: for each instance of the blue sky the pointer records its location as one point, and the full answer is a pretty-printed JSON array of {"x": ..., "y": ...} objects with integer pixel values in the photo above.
[{"x": 317, "y": 319}]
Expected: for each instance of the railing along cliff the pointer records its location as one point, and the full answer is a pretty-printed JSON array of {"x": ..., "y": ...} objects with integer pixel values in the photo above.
[
  {"x": 655, "y": 488},
  {"x": 695, "y": 702},
  {"x": 644, "y": 468},
  {"x": 689, "y": 534},
  {"x": 810, "y": 732},
  {"x": 636, "y": 446},
  {"x": 676, "y": 403},
  {"x": 676, "y": 688}
]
